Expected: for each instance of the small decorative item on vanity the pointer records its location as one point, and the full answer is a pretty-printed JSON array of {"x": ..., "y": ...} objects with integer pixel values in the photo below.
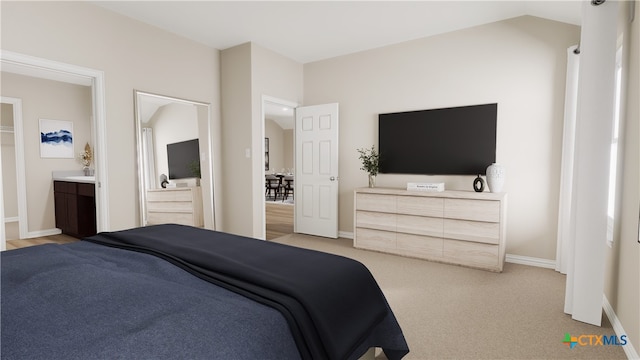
[
  {"x": 370, "y": 161},
  {"x": 495, "y": 177},
  {"x": 478, "y": 184},
  {"x": 85, "y": 158}
]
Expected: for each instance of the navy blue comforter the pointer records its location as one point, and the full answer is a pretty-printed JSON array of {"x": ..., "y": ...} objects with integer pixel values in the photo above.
[{"x": 86, "y": 300}]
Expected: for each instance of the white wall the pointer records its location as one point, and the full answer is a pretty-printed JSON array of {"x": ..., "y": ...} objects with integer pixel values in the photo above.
[
  {"x": 132, "y": 55},
  {"x": 54, "y": 100},
  {"x": 235, "y": 65},
  {"x": 278, "y": 77},
  {"x": 250, "y": 72},
  {"x": 518, "y": 63},
  {"x": 274, "y": 132}
]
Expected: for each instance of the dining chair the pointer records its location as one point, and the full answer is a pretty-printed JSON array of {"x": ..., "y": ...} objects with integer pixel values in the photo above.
[
  {"x": 288, "y": 187},
  {"x": 272, "y": 185}
]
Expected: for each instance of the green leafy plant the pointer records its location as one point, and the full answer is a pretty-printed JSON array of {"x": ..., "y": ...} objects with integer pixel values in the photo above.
[
  {"x": 370, "y": 160},
  {"x": 194, "y": 168}
]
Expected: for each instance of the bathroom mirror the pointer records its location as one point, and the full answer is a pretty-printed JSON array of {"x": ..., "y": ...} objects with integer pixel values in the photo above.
[{"x": 174, "y": 153}]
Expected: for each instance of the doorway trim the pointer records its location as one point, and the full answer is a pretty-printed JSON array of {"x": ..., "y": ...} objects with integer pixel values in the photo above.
[
  {"x": 18, "y": 132},
  {"x": 273, "y": 100},
  {"x": 44, "y": 68}
]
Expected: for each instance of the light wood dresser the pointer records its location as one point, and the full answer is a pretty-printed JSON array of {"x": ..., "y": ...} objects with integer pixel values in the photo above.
[
  {"x": 182, "y": 205},
  {"x": 457, "y": 227}
]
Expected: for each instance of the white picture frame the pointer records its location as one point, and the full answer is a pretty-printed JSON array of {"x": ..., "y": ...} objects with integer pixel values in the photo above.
[{"x": 56, "y": 139}]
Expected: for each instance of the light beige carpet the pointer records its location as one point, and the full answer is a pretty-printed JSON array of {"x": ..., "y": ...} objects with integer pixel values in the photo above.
[{"x": 452, "y": 312}]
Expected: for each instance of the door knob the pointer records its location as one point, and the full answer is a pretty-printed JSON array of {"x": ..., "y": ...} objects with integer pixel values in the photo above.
[{"x": 333, "y": 178}]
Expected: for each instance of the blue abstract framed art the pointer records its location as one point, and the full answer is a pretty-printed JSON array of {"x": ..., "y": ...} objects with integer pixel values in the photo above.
[{"x": 56, "y": 139}]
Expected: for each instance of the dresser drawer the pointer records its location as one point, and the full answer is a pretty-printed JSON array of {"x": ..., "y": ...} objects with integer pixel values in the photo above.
[
  {"x": 170, "y": 195},
  {"x": 375, "y": 239},
  {"x": 477, "y": 231},
  {"x": 376, "y": 220},
  {"x": 170, "y": 206},
  {"x": 466, "y": 253},
  {"x": 418, "y": 205},
  {"x": 374, "y": 202},
  {"x": 478, "y": 210},
  {"x": 421, "y": 246},
  {"x": 168, "y": 218},
  {"x": 420, "y": 225}
]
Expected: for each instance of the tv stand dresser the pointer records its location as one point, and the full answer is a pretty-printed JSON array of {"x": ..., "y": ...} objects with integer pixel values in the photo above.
[
  {"x": 457, "y": 227},
  {"x": 180, "y": 205}
]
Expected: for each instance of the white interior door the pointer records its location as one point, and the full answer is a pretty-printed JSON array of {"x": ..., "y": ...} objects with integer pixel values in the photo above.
[{"x": 316, "y": 182}]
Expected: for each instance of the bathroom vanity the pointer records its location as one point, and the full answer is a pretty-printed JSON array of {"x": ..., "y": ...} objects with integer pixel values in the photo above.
[{"x": 75, "y": 206}]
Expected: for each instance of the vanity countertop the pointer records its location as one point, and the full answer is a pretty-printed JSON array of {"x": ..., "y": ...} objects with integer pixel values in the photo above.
[{"x": 73, "y": 176}]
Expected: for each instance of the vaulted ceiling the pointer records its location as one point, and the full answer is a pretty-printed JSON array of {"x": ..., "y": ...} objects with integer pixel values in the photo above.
[{"x": 308, "y": 31}]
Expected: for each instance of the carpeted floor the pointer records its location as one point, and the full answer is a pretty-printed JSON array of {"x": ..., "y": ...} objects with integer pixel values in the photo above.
[{"x": 452, "y": 312}]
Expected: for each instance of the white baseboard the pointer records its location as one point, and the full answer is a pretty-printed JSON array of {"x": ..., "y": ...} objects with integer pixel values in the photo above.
[
  {"x": 345, "y": 234},
  {"x": 629, "y": 350},
  {"x": 40, "y": 233},
  {"x": 531, "y": 261}
]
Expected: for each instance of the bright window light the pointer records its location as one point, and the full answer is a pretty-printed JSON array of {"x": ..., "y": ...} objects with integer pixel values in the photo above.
[{"x": 613, "y": 157}]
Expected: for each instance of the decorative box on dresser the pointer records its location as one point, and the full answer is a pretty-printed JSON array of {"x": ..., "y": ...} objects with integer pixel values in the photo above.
[
  {"x": 457, "y": 227},
  {"x": 180, "y": 205}
]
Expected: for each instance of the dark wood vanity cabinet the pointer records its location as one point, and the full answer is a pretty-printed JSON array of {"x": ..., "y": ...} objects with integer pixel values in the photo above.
[{"x": 75, "y": 208}]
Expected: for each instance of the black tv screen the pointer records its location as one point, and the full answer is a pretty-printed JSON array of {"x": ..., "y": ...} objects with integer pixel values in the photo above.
[
  {"x": 449, "y": 141},
  {"x": 184, "y": 159}
]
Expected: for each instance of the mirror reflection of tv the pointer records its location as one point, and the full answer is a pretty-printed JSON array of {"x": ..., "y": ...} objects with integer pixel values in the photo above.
[
  {"x": 184, "y": 159},
  {"x": 448, "y": 141}
]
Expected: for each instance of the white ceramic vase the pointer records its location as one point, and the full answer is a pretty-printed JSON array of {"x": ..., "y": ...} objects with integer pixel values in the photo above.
[{"x": 495, "y": 177}]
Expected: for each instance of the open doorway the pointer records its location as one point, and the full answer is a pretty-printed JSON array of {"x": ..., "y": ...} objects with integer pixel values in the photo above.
[
  {"x": 279, "y": 171},
  {"x": 65, "y": 73}
]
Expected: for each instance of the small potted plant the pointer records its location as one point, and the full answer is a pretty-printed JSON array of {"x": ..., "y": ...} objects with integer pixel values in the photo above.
[{"x": 370, "y": 161}]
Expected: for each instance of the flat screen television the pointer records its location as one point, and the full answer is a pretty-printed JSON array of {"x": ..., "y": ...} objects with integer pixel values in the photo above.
[
  {"x": 448, "y": 141},
  {"x": 184, "y": 159}
]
